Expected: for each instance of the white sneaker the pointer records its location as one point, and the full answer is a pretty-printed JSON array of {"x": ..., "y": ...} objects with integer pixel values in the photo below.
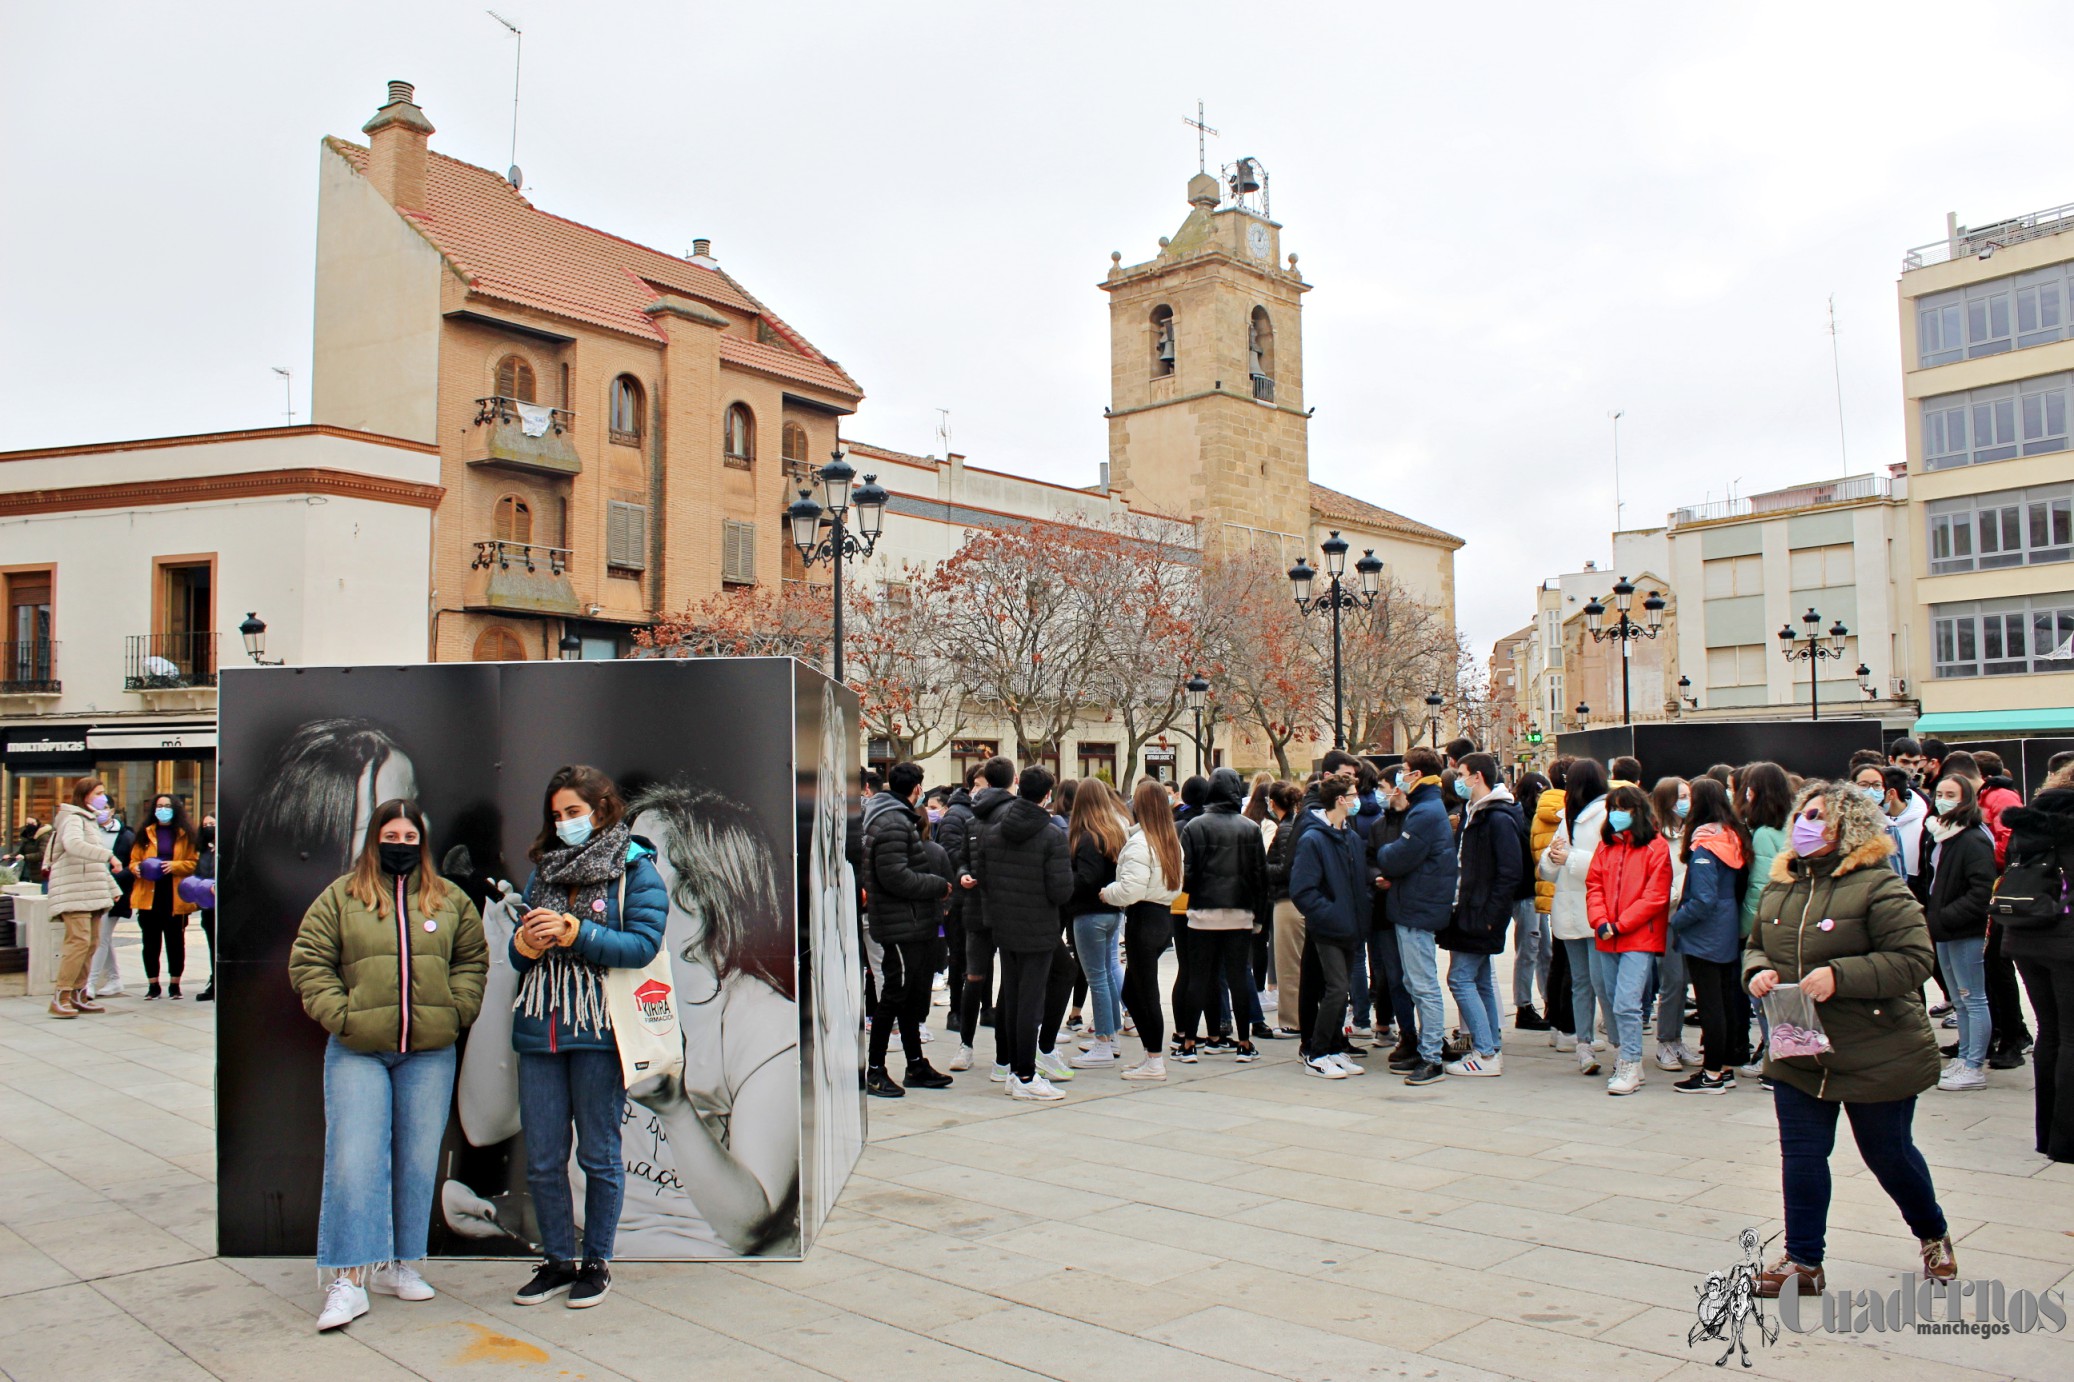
[
  {"x": 1600, "y": 1044},
  {"x": 1346, "y": 1063},
  {"x": 343, "y": 1303},
  {"x": 401, "y": 1280},
  {"x": 1667, "y": 1058},
  {"x": 1101, "y": 1053},
  {"x": 1036, "y": 1088},
  {"x": 1051, "y": 1066},
  {"x": 1627, "y": 1078},
  {"x": 1473, "y": 1064},
  {"x": 1151, "y": 1068},
  {"x": 1587, "y": 1063},
  {"x": 1963, "y": 1076},
  {"x": 928, "y": 1034},
  {"x": 1565, "y": 1042},
  {"x": 1754, "y": 1068},
  {"x": 1689, "y": 1057},
  {"x": 963, "y": 1060},
  {"x": 1000, "y": 1075},
  {"x": 1325, "y": 1068}
]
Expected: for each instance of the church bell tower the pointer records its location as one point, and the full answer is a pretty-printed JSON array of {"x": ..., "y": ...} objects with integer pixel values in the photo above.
[{"x": 1206, "y": 413}]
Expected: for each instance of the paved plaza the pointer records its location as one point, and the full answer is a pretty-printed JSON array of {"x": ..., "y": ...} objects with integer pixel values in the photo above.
[{"x": 1237, "y": 1222}]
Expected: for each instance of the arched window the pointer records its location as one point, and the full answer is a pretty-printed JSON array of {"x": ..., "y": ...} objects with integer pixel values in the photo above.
[
  {"x": 515, "y": 379},
  {"x": 795, "y": 448},
  {"x": 1260, "y": 350},
  {"x": 499, "y": 644},
  {"x": 513, "y": 521},
  {"x": 1162, "y": 341},
  {"x": 741, "y": 437},
  {"x": 626, "y": 410}
]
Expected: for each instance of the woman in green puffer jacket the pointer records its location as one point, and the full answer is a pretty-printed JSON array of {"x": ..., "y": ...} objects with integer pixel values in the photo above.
[
  {"x": 390, "y": 961},
  {"x": 1835, "y": 920}
]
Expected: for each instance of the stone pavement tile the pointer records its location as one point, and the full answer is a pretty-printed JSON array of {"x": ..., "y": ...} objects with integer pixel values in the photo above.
[
  {"x": 1198, "y": 1112},
  {"x": 68, "y": 1332},
  {"x": 102, "y": 1163},
  {"x": 906, "y": 1301},
  {"x": 183, "y": 1205},
  {"x": 1443, "y": 1240},
  {"x": 1814, "y": 1357},
  {"x": 1469, "y": 1161},
  {"x": 40, "y": 1193},
  {"x": 1596, "y": 1265},
  {"x": 1285, "y": 1348},
  {"x": 902, "y": 1204},
  {"x": 1625, "y": 1158},
  {"x": 1243, "y": 1242},
  {"x": 890, "y": 1163},
  {"x": 23, "y": 1268},
  {"x": 1661, "y": 1247},
  {"x": 1120, "y": 1254},
  {"x": 1335, "y": 1192},
  {"x": 1402, "y": 1320},
  {"x": 235, "y": 1328},
  {"x": 1077, "y": 1352},
  {"x": 1569, "y": 1306},
  {"x": 1309, "y": 1111},
  {"x": 974, "y": 1263},
  {"x": 1525, "y": 1351},
  {"x": 862, "y": 1350},
  {"x": 1167, "y": 1192},
  {"x": 201, "y": 1164},
  {"x": 1044, "y": 1200},
  {"x": 1131, "y": 1305},
  {"x": 1577, "y": 1129},
  {"x": 2040, "y": 1244},
  {"x": 1167, "y": 1160},
  {"x": 114, "y": 1240},
  {"x": 1412, "y": 1175},
  {"x": 982, "y": 1155}
]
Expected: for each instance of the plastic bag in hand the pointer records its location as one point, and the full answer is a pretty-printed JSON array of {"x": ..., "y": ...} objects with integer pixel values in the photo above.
[{"x": 1795, "y": 1021}]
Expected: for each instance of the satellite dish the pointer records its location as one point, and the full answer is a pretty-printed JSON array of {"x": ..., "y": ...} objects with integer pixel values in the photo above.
[{"x": 515, "y": 178}]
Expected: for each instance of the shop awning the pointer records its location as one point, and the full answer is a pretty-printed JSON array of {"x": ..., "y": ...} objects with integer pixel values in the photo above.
[{"x": 1977, "y": 721}]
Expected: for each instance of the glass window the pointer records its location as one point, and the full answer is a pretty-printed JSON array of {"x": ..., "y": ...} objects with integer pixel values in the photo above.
[
  {"x": 1987, "y": 325},
  {"x": 2051, "y": 528},
  {"x": 2004, "y": 637},
  {"x": 2045, "y": 418},
  {"x": 2038, "y": 310},
  {"x": 1994, "y": 429},
  {"x": 1940, "y": 340},
  {"x": 741, "y": 437},
  {"x": 515, "y": 379},
  {"x": 626, "y": 410},
  {"x": 1944, "y": 434}
]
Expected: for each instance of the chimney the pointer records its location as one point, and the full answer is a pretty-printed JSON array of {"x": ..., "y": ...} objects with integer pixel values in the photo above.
[{"x": 397, "y": 157}]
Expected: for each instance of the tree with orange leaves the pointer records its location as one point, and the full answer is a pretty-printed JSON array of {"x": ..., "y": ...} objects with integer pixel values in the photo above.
[
  {"x": 895, "y": 658},
  {"x": 791, "y": 619}
]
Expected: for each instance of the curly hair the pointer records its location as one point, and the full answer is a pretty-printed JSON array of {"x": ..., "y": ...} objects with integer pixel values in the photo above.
[{"x": 1855, "y": 821}]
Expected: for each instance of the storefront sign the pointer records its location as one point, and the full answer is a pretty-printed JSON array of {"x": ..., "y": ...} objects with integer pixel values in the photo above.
[{"x": 152, "y": 741}]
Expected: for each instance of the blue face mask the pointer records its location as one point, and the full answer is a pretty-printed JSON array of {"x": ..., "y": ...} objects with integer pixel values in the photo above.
[
  {"x": 1462, "y": 788},
  {"x": 164, "y": 815},
  {"x": 1353, "y": 806},
  {"x": 1682, "y": 809},
  {"x": 574, "y": 833},
  {"x": 1620, "y": 820}
]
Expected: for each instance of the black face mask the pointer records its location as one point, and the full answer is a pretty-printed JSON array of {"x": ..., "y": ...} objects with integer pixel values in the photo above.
[
  {"x": 400, "y": 859},
  {"x": 205, "y": 838}
]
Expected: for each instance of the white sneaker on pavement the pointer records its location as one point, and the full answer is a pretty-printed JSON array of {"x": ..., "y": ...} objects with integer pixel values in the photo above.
[
  {"x": 963, "y": 1060},
  {"x": 928, "y": 1034},
  {"x": 1036, "y": 1088},
  {"x": 1667, "y": 1057},
  {"x": 1475, "y": 1065},
  {"x": 1151, "y": 1068},
  {"x": 1346, "y": 1063},
  {"x": 1587, "y": 1063},
  {"x": 1627, "y": 1077},
  {"x": 1100, "y": 1053},
  {"x": 343, "y": 1303},
  {"x": 1563, "y": 1041},
  {"x": 1000, "y": 1075},
  {"x": 1325, "y": 1068},
  {"x": 401, "y": 1280},
  {"x": 1050, "y": 1065},
  {"x": 1963, "y": 1076}
]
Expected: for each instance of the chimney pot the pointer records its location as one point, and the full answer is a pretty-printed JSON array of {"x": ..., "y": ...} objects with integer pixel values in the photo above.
[
  {"x": 702, "y": 249},
  {"x": 400, "y": 93},
  {"x": 396, "y": 149}
]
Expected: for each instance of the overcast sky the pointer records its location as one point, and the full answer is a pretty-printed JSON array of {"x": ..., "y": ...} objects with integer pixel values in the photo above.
[{"x": 1517, "y": 217}]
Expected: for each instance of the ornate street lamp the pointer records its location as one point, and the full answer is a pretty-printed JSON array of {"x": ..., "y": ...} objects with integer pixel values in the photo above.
[
  {"x": 1810, "y": 649},
  {"x": 1369, "y": 574},
  {"x": 1434, "y": 701},
  {"x": 806, "y": 517},
  {"x": 1197, "y": 691},
  {"x": 1685, "y": 693},
  {"x": 1625, "y": 630},
  {"x": 571, "y": 647},
  {"x": 253, "y": 631}
]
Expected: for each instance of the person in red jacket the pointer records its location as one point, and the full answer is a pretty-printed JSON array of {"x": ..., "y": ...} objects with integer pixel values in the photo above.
[{"x": 1628, "y": 903}]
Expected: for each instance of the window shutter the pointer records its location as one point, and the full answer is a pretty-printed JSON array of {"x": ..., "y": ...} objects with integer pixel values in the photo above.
[
  {"x": 738, "y": 553},
  {"x": 626, "y": 536}
]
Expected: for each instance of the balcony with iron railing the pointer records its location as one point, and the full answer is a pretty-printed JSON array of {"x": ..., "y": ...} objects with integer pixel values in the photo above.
[
  {"x": 1960, "y": 241},
  {"x": 1851, "y": 489},
  {"x": 524, "y": 436},
  {"x": 169, "y": 661},
  {"x": 520, "y": 578},
  {"x": 29, "y": 669}
]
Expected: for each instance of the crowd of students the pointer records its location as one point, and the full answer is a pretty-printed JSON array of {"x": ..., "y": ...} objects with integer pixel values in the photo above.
[{"x": 1318, "y": 911}]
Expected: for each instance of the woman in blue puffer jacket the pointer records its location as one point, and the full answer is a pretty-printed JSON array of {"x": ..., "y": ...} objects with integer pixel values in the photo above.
[
  {"x": 595, "y": 902},
  {"x": 1707, "y": 929}
]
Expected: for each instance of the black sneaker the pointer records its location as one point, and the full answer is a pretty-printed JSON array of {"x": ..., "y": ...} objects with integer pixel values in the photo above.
[
  {"x": 207, "y": 995},
  {"x": 922, "y": 1075},
  {"x": 549, "y": 1281},
  {"x": 1528, "y": 1020},
  {"x": 593, "y": 1284},
  {"x": 1700, "y": 1082},
  {"x": 1425, "y": 1072},
  {"x": 1263, "y": 1032},
  {"x": 879, "y": 1084},
  {"x": 1404, "y": 1061},
  {"x": 151, "y": 991},
  {"x": 1220, "y": 1045},
  {"x": 1948, "y": 1051},
  {"x": 172, "y": 988},
  {"x": 2010, "y": 1057}
]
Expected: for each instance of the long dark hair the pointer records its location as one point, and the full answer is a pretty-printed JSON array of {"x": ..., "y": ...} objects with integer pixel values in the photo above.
[
  {"x": 724, "y": 873},
  {"x": 1663, "y": 801},
  {"x": 1633, "y": 800},
  {"x": 311, "y": 792},
  {"x": 1968, "y": 815},
  {"x": 607, "y": 808},
  {"x": 179, "y": 825},
  {"x": 1529, "y": 788},
  {"x": 1711, "y": 806},
  {"x": 368, "y": 886},
  {"x": 1765, "y": 796},
  {"x": 1584, "y": 784}
]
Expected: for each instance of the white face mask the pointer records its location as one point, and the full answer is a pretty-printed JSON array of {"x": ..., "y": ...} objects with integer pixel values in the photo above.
[{"x": 574, "y": 832}]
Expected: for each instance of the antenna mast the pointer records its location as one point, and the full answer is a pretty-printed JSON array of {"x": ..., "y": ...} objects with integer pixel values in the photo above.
[
  {"x": 943, "y": 430},
  {"x": 287, "y": 392},
  {"x": 518, "y": 54},
  {"x": 1836, "y": 366}
]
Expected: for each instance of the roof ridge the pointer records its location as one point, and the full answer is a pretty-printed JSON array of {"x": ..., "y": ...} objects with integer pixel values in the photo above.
[{"x": 1405, "y": 521}]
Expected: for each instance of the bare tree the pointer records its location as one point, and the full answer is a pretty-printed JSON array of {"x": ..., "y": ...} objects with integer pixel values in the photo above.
[
  {"x": 1393, "y": 656},
  {"x": 791, "y": 619},
  {"x": 1259, "y": 653},
  {"x": 1152, "y": 587},
  {"x": 896, "y": 657}
]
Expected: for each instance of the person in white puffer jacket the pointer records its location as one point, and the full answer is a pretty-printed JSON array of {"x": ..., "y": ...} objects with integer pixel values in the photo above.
[
  {"x": 82, "y": 888},
  {"x": 1148, "y": 879},
  {"x": 1566, "y": 863}
]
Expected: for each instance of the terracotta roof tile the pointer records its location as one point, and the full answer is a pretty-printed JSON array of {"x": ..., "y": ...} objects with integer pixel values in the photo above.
[
  {"x": 1330, "y": 504},
  {"x": 512, "y": 251}
]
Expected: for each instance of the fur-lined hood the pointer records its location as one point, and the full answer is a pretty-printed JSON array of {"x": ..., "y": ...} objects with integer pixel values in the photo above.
[
  {"x": 2050, "y": 814},
  {"x": 1861, "y": 830}
]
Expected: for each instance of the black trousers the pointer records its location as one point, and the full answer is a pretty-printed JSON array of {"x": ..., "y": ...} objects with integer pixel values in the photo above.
[
  {"x": 1079, "y": 986},
  {"x": 2052, "y": 1060},
  {"x": 978, "y": 984},
  {"x": 1058, "y": 987},
  {"x": 1335, "y": 961},
  {"x": 209, "y": 934},
  {"x": 905, "y": 971},
  {"x": 1147, "y": 932},
  {"x": 1311, "y": 998},
  {"x": 1021, "y": 1009},
  {"x": 1556, "y": 1008},
  {"x": 1216, "y": 959},
  {"x": 1724, "y": 1043},
  {"x": 163, "y": 928},
  {"x": 2005, "y": 999}
]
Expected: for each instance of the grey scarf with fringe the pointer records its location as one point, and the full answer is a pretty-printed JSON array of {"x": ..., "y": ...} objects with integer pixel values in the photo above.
[{"x": 571, "y": 880}]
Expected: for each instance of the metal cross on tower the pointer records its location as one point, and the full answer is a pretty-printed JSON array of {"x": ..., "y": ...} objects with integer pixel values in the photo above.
[{"x": 1202, "y": 150}]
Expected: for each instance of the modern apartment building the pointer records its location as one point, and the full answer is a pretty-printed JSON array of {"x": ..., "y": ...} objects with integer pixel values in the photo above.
[{"x": 1987, "y": 361}]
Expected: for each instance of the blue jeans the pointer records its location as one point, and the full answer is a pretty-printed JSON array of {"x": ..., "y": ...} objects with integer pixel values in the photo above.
[
  {"x": 1419, "y": 952},
  {"x": 1622, "y": 976},
  {"x": 555, "y": 1091},
  {"x": 384, "y": 1116},
  {"x": 1475, "y": 986},
  {"x": 1529, "y": 953},
  {"x": 1965, "y": 967},
  {"x": 1807, "y": 1135},
  {"x": 1583, "y": 996},
  {"x": 1094, "y": 940}
]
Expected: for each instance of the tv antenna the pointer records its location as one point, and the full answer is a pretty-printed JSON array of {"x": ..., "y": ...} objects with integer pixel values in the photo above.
[
  {"x": 1202, "y": 150},
  {"x": 943, "y": 429},
  {"x": 287, "y": 392},
  {"x": 518, "y": 53},
  {"x": 1619, "y": 509},
  {"x": 1837, "y": 368}
]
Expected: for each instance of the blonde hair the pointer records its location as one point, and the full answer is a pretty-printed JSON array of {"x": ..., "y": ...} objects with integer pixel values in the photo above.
[{"x": 1097, "y": 813}]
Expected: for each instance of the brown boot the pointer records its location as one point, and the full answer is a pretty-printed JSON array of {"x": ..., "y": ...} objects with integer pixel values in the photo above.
[
  {"x": 61, "y": 1005},
  {"x": 1773, "y": 1279},
  {"x": 85, "y": 1004},
  {"x": 1940, "y": 1263}
]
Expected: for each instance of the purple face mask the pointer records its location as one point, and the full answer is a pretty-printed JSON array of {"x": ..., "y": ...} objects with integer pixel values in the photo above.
[{"x": 1809, "y": 836}]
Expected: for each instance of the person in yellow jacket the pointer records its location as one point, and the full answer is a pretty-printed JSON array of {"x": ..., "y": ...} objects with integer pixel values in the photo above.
[
  {"x": 1531, "y": 943},
  {"x": 165, "y": 853}
]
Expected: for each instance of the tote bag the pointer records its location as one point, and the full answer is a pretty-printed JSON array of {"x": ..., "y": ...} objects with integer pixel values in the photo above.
[{"x": 643, "y": 1004}]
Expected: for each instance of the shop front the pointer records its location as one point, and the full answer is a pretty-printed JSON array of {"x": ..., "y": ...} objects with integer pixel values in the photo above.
[{"x": 138, "y": 759}]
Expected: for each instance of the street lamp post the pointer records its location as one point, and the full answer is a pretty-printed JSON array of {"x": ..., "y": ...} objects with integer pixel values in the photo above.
[
  {"x": 1685, "y": 693},
  {"x": 840, "y": 545},
  {"x": 1198, "y": 692},
  {"x": 253, "y": 631},
  {"x": 1584, "y": 715},
  {"x": 1336, "y": 598},
  {"x": 1625, "y": 630},
  {"x": 1434, "y": 701},
  {"x": 1809, "y": 648}
]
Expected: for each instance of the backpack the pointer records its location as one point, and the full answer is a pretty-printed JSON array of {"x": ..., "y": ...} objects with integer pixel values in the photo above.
[{"x": 2033, "y": 893}]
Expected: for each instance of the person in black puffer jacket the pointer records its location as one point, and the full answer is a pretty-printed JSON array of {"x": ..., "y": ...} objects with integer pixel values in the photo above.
[
  {"x": 1955, "y": 876},
  {"x": 1329, "y": 882},
  {"x": 2044, "y": 955},
  {"x": 1024, "y": 877},
  {"x": 904, "y": 900},
  {"x": 993, "y": 789},
  {"x": 1491, "y": 855},
  {"x": 1225, "y": 867}
]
